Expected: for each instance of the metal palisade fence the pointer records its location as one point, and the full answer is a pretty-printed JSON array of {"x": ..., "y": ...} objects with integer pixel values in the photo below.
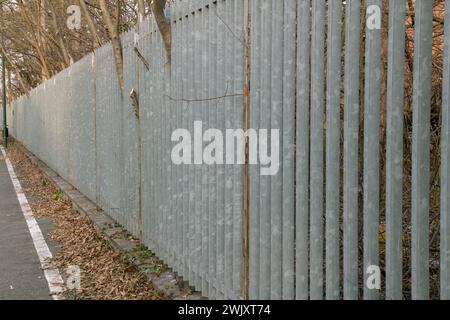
[{"x": 333, "y": 217}]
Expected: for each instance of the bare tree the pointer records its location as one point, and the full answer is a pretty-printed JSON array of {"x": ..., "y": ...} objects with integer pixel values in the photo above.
[
  {"x": 115, "y": 40},
  {"x": 141, "y": 10},
  {"x": 90, "y": 22},
  {"x": 164, "y": 26}
]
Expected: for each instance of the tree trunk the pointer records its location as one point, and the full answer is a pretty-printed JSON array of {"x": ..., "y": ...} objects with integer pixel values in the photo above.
[
  {"x": 164, "y": 26},
  {"x": 35, "y": 41},
  {"x": 62, "y": 44},
  {"x": 141, "y": 10},
  {"x": 90, "y": 22},
  {"x": 115, "y": 41}
]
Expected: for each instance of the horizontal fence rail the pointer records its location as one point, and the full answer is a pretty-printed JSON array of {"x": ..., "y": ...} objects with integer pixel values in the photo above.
[{"x": 350, "y": 212}]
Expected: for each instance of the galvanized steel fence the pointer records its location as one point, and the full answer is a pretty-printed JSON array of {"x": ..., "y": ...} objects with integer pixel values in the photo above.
[{"x": 314, "y": 228}]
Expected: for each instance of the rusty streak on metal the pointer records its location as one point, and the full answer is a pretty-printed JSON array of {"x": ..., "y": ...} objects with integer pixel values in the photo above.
[{"x": 246, "y": 184}]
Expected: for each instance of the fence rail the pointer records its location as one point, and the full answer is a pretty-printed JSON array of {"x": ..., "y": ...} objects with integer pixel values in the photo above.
[{"x": 315, "y": 226}]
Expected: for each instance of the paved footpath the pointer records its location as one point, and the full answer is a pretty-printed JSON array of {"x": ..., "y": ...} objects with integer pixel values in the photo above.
[{"x": 22, "y": 245}]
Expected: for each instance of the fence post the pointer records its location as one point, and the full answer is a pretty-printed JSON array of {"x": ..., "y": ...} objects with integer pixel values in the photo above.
[
  {"x": 246, "y": 185},
  {"x": 351, "y": 136},
  {"x": 317, "y": 150},
  {"x": 5, "y": 124},
  {"x": 333, "y": 152},
  {"x": 421, "y": 149},
  {"x": 394, "y": 148},
  {"x": 372, "y": 147},
  {"x": 302, "y": 150}
]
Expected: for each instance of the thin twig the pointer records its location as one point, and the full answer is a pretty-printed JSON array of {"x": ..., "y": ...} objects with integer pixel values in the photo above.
[
  {"x": 224, "y": 96},
  {"x": 229, "y": 28},
  {"x": 207, "y": 99}
]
